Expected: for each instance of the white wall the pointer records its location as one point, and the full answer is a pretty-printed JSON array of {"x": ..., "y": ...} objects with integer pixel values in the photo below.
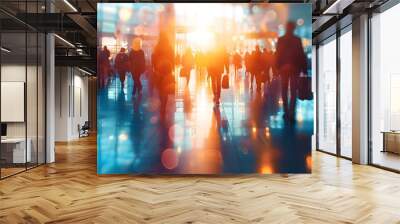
[
  {"x": 80, "y": 109},
  {"x": 71, "y": 94},
  {"x": 62, "y": 82}
]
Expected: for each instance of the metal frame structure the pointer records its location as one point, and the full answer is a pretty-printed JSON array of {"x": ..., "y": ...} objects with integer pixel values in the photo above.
[
  {"x": 338, "y": 32},
  {"x": 389, "y": 4},
  {"x": 44, "y": 75}
]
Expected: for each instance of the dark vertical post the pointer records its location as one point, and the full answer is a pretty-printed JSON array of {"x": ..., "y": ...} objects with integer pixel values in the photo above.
[
  {"x": 37, "y": 88},
  {"x": 369, "y": 89},
  {"x": 317, "y": 96},
  {"x": 0, "y": 92},
  {"x": 26, "y": 86},
  {"x": 45, "y": 89},
  {"x": 338, "y": 81}
]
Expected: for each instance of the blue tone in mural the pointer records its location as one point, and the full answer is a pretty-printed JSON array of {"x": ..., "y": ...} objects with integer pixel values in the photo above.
[{"x": 202, "y": 88}]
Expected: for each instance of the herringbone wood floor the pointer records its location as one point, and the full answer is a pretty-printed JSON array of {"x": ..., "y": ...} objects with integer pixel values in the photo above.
[{"x": 69, "y": 191}]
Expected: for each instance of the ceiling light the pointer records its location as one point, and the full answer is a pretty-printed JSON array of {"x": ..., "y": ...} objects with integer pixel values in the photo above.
[
  {"x": 84, "y": 71},
  {"x": 70, "y": 5},
  {"x": 5, "y": 49},
  {"x": 337, "y": 7},
  {"x": 326, "y": 11},
  {"x": 65, "y": 41}
]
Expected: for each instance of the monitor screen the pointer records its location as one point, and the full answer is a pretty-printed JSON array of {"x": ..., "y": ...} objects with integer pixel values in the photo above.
[{"x": 3, "y": 129}]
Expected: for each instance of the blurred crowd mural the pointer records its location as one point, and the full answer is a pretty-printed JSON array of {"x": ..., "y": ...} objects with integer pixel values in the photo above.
[{"x": 204, "y": 88}]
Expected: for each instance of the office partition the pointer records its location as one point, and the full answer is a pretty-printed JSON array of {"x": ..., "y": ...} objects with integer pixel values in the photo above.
[{"x": 22, "y": 77}]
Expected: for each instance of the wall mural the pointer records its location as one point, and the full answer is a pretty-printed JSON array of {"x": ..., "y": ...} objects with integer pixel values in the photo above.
[{"x": 204, "y": 88}]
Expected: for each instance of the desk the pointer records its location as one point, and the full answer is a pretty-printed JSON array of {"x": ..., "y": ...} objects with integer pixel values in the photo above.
[
  {"x": 15, "y": 148},
  {"x": 391, "y": 141}
]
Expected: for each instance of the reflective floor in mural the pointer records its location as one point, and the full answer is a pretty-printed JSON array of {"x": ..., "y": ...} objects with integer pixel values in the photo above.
[{"x": 245, "y": 134}]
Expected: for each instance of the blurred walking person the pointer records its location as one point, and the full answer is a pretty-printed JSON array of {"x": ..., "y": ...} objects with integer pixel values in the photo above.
[
  {"x": 104, "y": 66},
  {"x": 201, "y": 64},
  {"x": 137, "y": 64},
  {"x": 197, "y": 63},
  {"x": 237, "y": 62},
  {"x": 290, "y": 62},
  {"x": 268, "y": 65},
  {"x": 247, "y": 62},
  {"x": 257, "y": 67},
  {"x": 251, "y": 66},
  {"x": 187, "y": 64},
  {"x": 163, "y": 63},
  {"x": 121, "y": 64},
  {"x": 178, "y": 60},
  {"x": 218, "y": 63}
]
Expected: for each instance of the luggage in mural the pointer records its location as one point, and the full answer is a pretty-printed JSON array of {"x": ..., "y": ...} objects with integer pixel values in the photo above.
[
  {"x": 225, "y": 82},
  {"x": 304, "y": 88}
]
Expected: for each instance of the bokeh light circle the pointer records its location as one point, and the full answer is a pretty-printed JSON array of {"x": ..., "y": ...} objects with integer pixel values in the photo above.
[
  {"x": 170, "y": 159},
  {"x": 175, "y": 133},
  {"x": 300, "y": 22}
]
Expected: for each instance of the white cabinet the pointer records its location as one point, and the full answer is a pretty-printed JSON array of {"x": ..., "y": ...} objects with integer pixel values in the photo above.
[{"x": 19, "y": 155}]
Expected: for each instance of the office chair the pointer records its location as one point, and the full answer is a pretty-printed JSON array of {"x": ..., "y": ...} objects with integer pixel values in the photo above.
[{"x": 84, "y": 130}]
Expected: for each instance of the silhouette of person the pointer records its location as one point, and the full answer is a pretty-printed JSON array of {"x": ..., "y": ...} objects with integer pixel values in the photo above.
[
  {"x": 247, "y": 62},
  {"x": 187, "y": 64},
  {"x": 290, "y": 62},
  {"x": 203, "y": 62},
  {"x": 237, "y": 62},
  {"x": 178, "y": 59},
  {"x": 218, "y": 62},
  {"x": 104, "y": 66},
  {"x": 163, "y": 63},
  {"x": 122, "y": 65},
  {"x": 252, "y": 67},
  {"x": 207, "y": 60},
  {"x": 257, "y": 63},
  {"x": 268, "y": 64},
  {"x": 137, "y": 64},
  {"x": 197, "y": 61}
]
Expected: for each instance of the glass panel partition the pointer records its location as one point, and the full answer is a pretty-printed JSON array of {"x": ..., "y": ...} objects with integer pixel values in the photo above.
[
  {"x": 346, "y": 94},
  {"x": 327, "y": 96},
  {"x": 22, "y": 88},
  {"x": 13, "y": 103},
  {"x": 385, "y": 89}
]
